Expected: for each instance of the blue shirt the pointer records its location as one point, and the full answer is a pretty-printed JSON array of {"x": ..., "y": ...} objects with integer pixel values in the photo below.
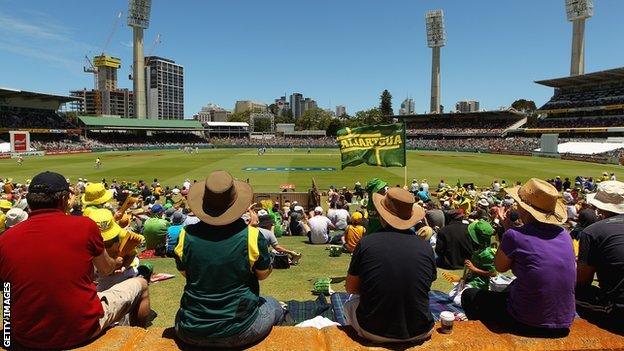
[
  {"x": 173, "y": 234},
  {"x": 423, "y": 196}
]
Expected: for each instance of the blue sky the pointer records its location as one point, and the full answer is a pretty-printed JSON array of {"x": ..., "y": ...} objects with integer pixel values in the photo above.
[{"x": 335, "y": 51}]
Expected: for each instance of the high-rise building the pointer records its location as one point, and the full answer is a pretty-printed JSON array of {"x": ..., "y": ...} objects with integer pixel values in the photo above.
[
  {"x": 212, "y": 113},
  {"x": 467, "y": 106},
  {"x": 248, "y": 105},
  {"x": 308, "y": 104},
  {"x": 164, "y": 80},
  {"x": 340, "y": 111},
  {"x": 282, "y": 105},
  {"x": 296, "y": 107},
  {"x": 119, "y": 102},
  {"x": 408, "y": 107}
]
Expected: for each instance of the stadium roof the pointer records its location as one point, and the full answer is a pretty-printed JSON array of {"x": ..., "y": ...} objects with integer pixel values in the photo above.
[
  {"x": 227, "y": 124},
  {"x": 611, "y": 75},
  {"x": 6, "y": 93},
  {"x": 481, "y": 114},
  {"x": 94, "y": 122}
]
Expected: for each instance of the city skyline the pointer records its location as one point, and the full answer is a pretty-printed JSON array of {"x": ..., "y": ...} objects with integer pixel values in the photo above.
[{"x": 44, "y": 45}]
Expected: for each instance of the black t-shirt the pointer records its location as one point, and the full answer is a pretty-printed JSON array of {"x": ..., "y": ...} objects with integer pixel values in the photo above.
[
  {"x": 602, "y": 247},
  {"x": 396, "y": 271},
  {"x": 454, "y": 245}
]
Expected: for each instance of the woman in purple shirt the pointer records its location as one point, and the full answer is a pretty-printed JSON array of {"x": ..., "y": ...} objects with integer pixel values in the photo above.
[{"x": 540, "y": 254}]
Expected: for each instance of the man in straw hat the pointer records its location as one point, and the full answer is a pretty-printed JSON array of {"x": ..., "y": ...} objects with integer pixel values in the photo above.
[
  {"x": 392, "y": 271},
  {"x": 601, "y": 251},
  {"x": 223, "y": 259},
  {"x": 540, "y": 254},
  {"x": 65, "y": 310}
]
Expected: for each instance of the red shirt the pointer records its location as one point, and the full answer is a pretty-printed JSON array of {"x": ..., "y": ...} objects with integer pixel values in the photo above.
[{"x": 48, "y": 259}]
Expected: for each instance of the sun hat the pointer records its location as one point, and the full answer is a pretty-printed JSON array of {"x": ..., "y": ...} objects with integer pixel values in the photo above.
[
  {"x": 263, "y": 212},
  {"x": 5, "y": 204},
  {"x": 425, "y": 232},
  {"x": 265, "y": 221},
  {"x": 609, "y": 196},
  {"x": 220, "y": 200},
  {"x": 356, "y": 217},
  {"x": 397, "y": 208},
  {"x": 178, "y": 218},
  {"x": 175, "y": 191},
  {"x": 298, "y": 209},
  {"x": 105, "y": 221},
  {"x": 96, "y": 194},
  {"x": 484, "y": 203},
  {"x": 169, "y": 211},
  {"x": 541, "y": 200},
  {"x": 15, "y": 216},
  {"x": 480, "y": 232},
  {"x": 318, "y": 209},
  {"x": 374, "y": 185}
]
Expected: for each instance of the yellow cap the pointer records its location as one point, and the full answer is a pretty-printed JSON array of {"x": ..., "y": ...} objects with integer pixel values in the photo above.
[
  {"x": 96, "y": 194},
  {"x": 104, "y": 219},
  {"x": 5, "y": 204},
  {"x": 356, "y": 217}
]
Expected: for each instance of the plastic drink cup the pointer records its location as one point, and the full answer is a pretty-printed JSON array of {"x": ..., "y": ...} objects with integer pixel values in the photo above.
[{"x": 446, "y": 319}]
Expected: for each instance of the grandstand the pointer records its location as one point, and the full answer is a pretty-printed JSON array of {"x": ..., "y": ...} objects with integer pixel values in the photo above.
[
  {"x": 473, "y": 124},
  {"x": 588, "y": 103}
]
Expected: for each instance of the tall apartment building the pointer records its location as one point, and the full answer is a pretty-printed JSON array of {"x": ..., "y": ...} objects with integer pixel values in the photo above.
[
  {"x": 296, "y": 106},
  {"x": 248, "y": 105},
  {"x": 164, "y": 80},
  {"x": 282, "y": 105},
  {"x": 340, "y": 110},
  {"x": 408, "y": 107},
  {"x": 467, "y": 106},
  {"x": 119, "y": 102}
]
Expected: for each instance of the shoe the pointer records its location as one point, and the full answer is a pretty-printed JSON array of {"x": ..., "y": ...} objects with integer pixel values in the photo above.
[
  {"x": 296, "y": 257},
  {"x": 145, "y": 271}
]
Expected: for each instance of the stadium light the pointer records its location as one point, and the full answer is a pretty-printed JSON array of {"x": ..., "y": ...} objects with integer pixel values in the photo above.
[
  {"x": 436, "y": 38},
  {"x": 579, "y": 9},
  {"x": 139, "y": 13},
  {"x": 436, "y": 35},
  {"x": 138, "y": 19}
]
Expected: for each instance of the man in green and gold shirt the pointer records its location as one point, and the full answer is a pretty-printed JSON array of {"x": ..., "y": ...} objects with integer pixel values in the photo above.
[{"x": 223, "y": 259}]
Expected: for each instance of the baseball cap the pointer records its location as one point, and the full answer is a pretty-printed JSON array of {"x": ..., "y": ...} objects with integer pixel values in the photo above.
[
  {"x": 178, "y": 218},
  {"x": 48, "y": 183},
  {"x": 157, "y": 208},
  {"x": 318, "y": 209}
]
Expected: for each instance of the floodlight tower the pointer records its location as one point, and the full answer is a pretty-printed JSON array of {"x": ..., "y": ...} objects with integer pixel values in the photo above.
[
  {"x": 577, "y": 12},
  {"x": 138, "y": 19},
  {"x": 436, "y": 38}
]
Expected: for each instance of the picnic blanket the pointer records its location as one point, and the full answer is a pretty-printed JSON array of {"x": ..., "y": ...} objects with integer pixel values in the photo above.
[
  {"x": 303, "y": 310},
  {"x": 438, "y": 301}
]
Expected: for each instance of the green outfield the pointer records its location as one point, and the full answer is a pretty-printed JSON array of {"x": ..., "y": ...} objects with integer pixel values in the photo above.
[{"x": 278, "y": 166}]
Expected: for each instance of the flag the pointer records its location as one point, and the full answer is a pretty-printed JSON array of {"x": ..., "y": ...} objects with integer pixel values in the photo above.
[{"x": 380, "y": 145}]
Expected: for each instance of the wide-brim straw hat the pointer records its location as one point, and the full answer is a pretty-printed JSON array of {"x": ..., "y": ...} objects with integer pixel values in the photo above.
[
  {"x": 397, "y": 208},
  {"x": 609, "y": 197},
  {"x": 541, "y": 200},
  {"x": 220, "y": 200}
]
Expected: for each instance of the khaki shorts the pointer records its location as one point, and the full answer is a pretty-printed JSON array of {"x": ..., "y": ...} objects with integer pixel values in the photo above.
[{"x": 119, "y": 301}]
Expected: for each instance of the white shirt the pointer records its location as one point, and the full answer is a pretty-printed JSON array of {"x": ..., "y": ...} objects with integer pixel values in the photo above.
[
  {"x": 341, "y": 219},
  {"x": 414, "y": 187},
  {"x": 613, "y": 177},
  {"x": 187, "y": 185},
  {"x": 425, "y": 187},
  {"x": 319, "y": 228},
  {"x": 496, "y": 187}
]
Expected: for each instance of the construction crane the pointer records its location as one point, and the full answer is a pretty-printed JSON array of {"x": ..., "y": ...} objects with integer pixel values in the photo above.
[
  {"x": 90, "y": 68},
  {"x": 112, "y": 32},
  {"x": 156, "y": 42}
]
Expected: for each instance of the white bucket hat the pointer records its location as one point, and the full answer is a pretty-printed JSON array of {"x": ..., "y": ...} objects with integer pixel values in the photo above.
[
  {"x": 15, "y": 216},
  {"x": 609, "y": 197}
]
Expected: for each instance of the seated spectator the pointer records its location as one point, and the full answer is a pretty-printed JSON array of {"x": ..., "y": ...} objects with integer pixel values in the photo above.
[
  {"x": 601, "y": 252},
  {"x": 319, "y": 227},
  {"x": 453, "y": 245},
  {"x": 354, "y": 232},
  {"x": 266, "y": 226},
  {"x": 173, "y": 232},
  {"x": 223, "y": 259},
  {"x": 392, "y": 271},
  {"x": 155, "y": 230},
  {"x": 63, "y": 311},
  {"x": 541, "y": 298},
  {"x": 296, "y": 223},
  {"x": 341, "y": 217},
  {"x": 15, "y": 216}
]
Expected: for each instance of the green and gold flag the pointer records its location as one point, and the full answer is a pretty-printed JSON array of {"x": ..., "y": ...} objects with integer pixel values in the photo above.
[{"x": 380, "y": 145}]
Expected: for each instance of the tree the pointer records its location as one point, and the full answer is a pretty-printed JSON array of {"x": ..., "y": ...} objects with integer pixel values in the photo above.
[
  {"x": 334, "y": 126},
  {"x": 523, "y": 105},
  {"x": 386, "y": 103},
  {"x": 285, "y": 117},
  {"x": 273, "y": 109},
  {"x": 313, "y": 119},
  {"x": 368, "y": 117},
  {"x": 240, "y": 117}
]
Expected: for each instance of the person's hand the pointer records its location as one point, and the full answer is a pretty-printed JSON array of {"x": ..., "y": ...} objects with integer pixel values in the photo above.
[
  {"x": 253, "y": 216},
  {"x": 119, "y": 261},
  {"x": 469, "y": 265}
]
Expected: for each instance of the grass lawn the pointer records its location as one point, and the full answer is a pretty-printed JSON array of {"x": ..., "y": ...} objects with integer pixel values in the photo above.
[
  {"x": 172, "y": 167},
  {"x": 283, "y": 284}
]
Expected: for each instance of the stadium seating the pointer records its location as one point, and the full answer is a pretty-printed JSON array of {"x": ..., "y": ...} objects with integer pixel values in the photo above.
[
  {"x": 467, "y": 126},
  {"x": 33, "y": 119},
  {"x": 601, "y": 96}
]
